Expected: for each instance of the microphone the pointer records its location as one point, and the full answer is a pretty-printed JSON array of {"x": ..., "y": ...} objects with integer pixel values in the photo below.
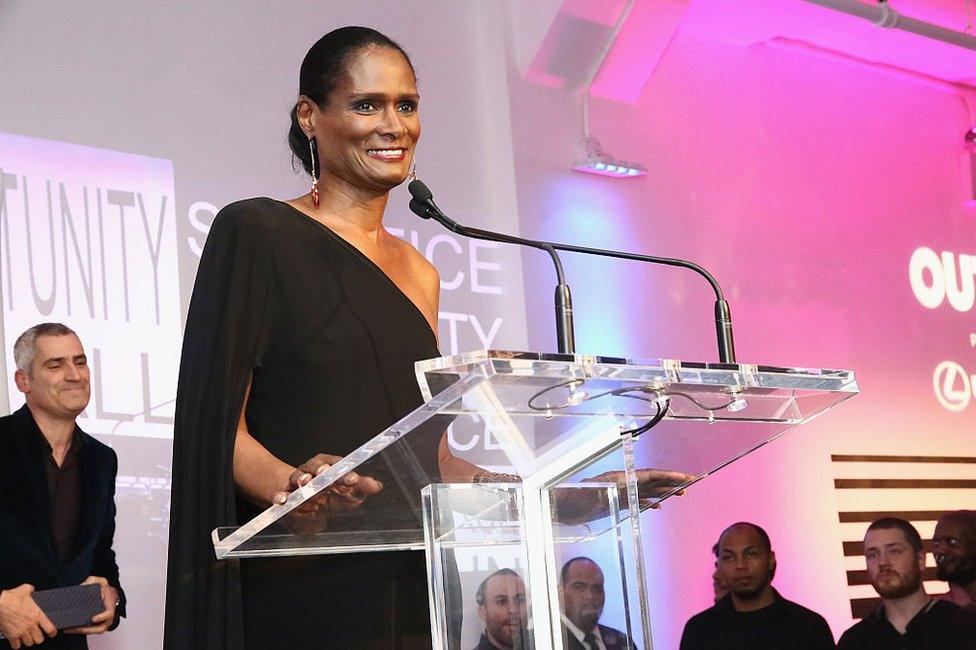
[
  {"x": 422, "y": 204},
  {"x": 723, "y": 315}
]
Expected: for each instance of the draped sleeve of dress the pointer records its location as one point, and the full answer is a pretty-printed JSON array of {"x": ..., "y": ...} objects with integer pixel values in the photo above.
[{"x": 328, "y": 343}]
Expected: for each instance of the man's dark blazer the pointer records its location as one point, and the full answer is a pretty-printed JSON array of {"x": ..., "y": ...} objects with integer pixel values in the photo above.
[
  {"x": 28, "y": 552},
  {"x": 521, "y": 641},
  {"x": 612, "y": 639}
]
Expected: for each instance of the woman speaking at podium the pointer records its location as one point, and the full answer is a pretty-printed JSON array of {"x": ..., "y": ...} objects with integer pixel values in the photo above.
[{"x": 306, "y": 319}]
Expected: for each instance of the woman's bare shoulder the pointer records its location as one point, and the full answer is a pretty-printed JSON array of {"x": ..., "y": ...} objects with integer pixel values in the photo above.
[
  {"x": 421, "y": 265},
  {"x": 420, "y": 268}
]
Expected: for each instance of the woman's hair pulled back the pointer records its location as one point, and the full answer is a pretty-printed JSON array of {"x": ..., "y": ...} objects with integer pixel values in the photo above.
[{"x": 323, "y": 67}]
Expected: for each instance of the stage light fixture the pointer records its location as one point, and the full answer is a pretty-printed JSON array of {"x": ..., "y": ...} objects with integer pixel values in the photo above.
[
  {"x": 594, "y": 161},
  {"x": 597, "y": 162},
  {"x": 610, "y": 167}
]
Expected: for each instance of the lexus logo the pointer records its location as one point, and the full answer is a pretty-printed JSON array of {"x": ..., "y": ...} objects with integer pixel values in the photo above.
[{"x": 953, "y": 387}]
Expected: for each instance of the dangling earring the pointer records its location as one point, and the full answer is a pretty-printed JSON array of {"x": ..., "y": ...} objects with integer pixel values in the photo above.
[
  {"x": 315, "y": 172},
  {"x": 412, "y": 176}
]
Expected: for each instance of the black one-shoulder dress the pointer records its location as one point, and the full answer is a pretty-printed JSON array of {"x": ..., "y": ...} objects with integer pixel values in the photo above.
[{"x": 329, "y": 342}]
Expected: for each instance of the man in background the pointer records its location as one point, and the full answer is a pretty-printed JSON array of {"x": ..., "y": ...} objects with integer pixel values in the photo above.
[
  {"x": 907, "y": 617},
  {"x": 57, "y": 490},
  {"x": 954, "y": 548},
  {"x": 502, "y": 607},
  {"x": 719, "y": 586},
  {"x": 581, "y": 599},
  {"x": 753, "y": 616}
]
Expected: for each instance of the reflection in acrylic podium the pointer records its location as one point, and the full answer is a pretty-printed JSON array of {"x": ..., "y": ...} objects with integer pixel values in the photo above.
[{"x": 572, "y": 448}]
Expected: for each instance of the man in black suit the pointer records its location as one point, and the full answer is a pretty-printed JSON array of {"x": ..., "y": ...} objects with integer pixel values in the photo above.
[
  {"x": 57, "y": 495},
  {"x": 581, "y": 599}
]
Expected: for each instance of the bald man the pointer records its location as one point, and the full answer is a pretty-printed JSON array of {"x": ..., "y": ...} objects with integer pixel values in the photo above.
[
  {"x": 581, "y": 600},
  {"x": 753, "y": 616},
  {"x": 954, "y": 548}
]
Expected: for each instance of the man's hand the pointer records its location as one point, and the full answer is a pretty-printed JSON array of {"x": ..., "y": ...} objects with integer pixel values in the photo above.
[
  {"x": 103, "y": 620},
  {"x": 21, "y": 620}
]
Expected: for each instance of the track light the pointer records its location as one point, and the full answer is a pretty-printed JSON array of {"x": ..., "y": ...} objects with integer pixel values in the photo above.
[
  {"x": 607, "y": 166},
  {"x": 597, "y": 162},
  {"x": 594, "y": 161}
]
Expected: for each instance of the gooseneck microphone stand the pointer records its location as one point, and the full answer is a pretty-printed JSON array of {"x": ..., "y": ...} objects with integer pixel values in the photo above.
[
  {"x": 422, "y": 204},
  {"x": 723, "y": 315}
]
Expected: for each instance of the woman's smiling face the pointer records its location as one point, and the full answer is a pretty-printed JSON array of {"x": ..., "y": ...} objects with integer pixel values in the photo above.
[{"x": 369, "y": 126}]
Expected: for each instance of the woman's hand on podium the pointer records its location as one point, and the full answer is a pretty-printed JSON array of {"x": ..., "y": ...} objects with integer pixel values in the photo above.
[
  {"x": 343, "y": 496},
  {"x": 652, "y": 484},
  {"x": 352, "y": 487},
  {"x": 574, "y": 505}
]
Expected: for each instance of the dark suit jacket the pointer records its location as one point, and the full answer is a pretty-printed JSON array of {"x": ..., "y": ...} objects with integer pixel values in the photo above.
[
  {"x": 522, "y": 642},
  {"x": 27, "y": 548},
  {"x": 613, "y": 639}
]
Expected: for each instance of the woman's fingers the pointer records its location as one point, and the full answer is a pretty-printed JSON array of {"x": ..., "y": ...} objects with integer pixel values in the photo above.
[
  {"x": 298, "y": 478},
  {"x": 319, "y": 464},
  {"x": 351, "y": 487},
  {"x": 662, "y": 477},
  {"x": 365, "y": 488},
  {"x": 648, "y": 479},
  {"x": 369, "y": 486}
]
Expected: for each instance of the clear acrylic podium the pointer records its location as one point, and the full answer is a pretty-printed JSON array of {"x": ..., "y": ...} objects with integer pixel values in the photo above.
[{"x": 518, "y": 462}]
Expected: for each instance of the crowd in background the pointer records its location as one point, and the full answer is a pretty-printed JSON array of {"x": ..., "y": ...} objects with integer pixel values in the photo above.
[
  {"x": 750, "y": 614},
  {"x": 57, "y": 517}
]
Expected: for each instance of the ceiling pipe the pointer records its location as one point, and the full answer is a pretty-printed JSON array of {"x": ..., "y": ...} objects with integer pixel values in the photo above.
[
  {"x": 591, "y": 77},
  {"x": 965, "y": 93},
  {"x": 884, "y": 16},
  {"x": 594, "y": 160}
]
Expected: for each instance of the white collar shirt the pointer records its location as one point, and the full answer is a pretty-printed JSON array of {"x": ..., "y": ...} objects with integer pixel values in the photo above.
[{"x": 580, "y": 635}]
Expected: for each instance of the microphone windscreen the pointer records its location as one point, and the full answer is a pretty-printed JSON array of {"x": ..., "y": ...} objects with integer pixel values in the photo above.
[
  {"x": 419, "y": 191},
  {"x": 419, "y": 209}
]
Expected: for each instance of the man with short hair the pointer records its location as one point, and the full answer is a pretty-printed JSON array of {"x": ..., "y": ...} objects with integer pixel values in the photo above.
[
  {"x": 753, "y": 616},
  {"x": 907, "y": 617},
  {"x": 502, "y": 607},
  {"x": 719, "y": 586},
  {"x": 57, "y": 489},
  {"x": 581, "y": 599},
  {"x": 954, "y": 548}
]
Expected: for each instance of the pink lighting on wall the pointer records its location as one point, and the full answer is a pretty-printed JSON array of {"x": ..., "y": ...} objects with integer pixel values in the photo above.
[{"x": 804, "y": 154}]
